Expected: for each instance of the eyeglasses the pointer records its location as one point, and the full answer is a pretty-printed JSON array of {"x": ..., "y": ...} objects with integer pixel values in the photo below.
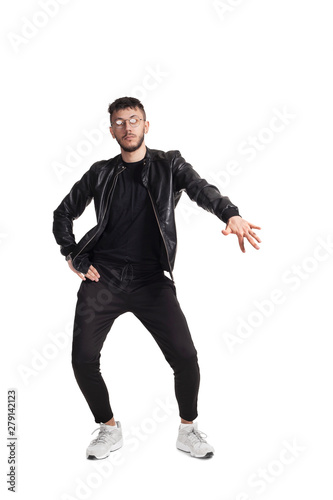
[{"x": 134, "y": 122}]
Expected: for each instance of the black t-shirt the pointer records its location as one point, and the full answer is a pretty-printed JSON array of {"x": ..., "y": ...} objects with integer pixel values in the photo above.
[{"x": 132, "y": 234}]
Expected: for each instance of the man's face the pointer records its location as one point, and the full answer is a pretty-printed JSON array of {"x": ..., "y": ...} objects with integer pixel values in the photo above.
[{"x": 129, "y": 138}]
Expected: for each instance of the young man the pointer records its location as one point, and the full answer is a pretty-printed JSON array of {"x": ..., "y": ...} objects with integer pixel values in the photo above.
[{"x": 122, "y": 260}]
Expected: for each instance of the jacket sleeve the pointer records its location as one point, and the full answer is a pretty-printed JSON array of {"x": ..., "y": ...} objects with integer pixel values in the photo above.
[
  {"x": 71, "y": 207},
  {"x": 199, "y": 190}
]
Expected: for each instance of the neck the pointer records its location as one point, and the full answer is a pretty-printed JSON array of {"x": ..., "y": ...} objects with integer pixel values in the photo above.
[{"x": 132, "y": 156}]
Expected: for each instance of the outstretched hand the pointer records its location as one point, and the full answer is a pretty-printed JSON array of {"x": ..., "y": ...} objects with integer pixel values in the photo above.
[{"x": 243, "y": 229}]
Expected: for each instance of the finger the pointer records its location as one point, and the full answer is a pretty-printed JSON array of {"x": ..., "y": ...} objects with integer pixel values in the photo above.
[
  {"x": 92, "y": 278},
  {"x": 253, "y": 243},
  {"x": 92, "y": 272},
  {"x": 241, "y": 243},
  {"x": 92, "y": 269},
  {"x": 91, "y": 275},
  {"x": 255, "y": 236},
  {"x": 253, "y": 226},
  {"x": 80, "y": 275},
  {"x": 226, "y": 231}
]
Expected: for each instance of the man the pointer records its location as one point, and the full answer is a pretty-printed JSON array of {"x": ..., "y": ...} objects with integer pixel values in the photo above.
[{"x": 122, "y": 260}]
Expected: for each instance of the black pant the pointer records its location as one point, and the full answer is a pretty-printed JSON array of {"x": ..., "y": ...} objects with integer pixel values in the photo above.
[{"x": 152, "y": 298}]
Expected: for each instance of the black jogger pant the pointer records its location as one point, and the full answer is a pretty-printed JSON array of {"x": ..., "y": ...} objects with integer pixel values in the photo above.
[{"x": 152, "y": 299}]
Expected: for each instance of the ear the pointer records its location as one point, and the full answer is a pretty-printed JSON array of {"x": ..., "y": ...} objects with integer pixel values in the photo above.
[
  {"x": 111, "y": 131},
  {"x": 146, "y": 127}
]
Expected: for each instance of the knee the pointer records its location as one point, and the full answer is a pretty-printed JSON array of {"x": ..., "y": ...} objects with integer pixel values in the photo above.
[
  {"x": 188, "y": 363},
  {"x": 84, "y": 370},
  {"x": 82, "y": 359}
]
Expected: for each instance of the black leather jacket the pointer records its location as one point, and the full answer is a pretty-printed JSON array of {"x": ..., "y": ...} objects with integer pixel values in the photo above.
[{"x": 165, "y": 175}]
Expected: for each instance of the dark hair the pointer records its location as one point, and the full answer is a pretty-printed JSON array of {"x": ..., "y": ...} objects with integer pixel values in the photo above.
[{"x": 126, "y": 102}]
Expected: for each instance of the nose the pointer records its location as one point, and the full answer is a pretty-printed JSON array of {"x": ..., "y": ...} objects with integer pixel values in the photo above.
[{"x": 128, "y": 126}]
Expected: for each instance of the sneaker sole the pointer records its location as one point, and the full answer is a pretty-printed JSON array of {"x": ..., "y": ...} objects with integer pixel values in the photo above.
[
  {"x": 183, "y": 447},
  {"x": 114, "y": 448}
]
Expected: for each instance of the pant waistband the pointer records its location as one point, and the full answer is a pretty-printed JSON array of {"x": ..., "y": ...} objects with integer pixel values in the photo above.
[{"x": 129, "y": 271}]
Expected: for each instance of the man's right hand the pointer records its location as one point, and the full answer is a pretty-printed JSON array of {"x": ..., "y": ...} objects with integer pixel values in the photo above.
[{"x": 92, "y": 273}]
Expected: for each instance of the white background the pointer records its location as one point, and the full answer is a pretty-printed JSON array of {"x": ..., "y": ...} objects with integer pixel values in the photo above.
[{"x": 220, "y": 77}]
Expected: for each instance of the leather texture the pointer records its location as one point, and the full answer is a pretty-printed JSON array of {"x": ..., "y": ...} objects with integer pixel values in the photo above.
[{"x": 165, "y": 175}]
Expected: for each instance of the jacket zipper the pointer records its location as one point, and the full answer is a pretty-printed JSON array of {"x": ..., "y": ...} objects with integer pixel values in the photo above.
[
  {"x": 106, "y": 206},
  {"x": 161, "y": 234}
]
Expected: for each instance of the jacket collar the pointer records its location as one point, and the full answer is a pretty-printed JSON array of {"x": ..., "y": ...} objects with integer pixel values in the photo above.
[{"x": 118, "y": 164}]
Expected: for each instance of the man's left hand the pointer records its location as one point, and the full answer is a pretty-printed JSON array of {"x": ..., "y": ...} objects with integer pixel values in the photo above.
[{"x": 243, "y": 229}]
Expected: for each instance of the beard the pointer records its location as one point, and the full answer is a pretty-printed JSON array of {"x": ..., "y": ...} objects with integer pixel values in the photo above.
[{"x": 134, "y": 147}]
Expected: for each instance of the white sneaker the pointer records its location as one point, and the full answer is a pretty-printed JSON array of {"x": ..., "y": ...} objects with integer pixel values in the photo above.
[
  {"x": 108, "y": 439},
  {"x": 192, "y": 441}
]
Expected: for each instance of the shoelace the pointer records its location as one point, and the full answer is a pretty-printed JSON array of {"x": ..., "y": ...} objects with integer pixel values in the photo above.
[
  {"x": 102, "y": 437},
  {"x": 197, "y": 434}
]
